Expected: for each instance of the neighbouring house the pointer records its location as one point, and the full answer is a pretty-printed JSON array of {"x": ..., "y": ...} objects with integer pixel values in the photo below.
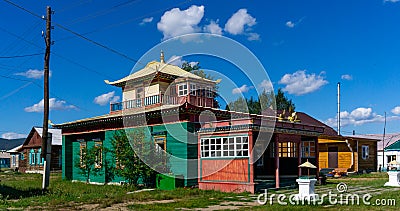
[
  {"x": 4, "y": 159},
  {"x": 385, "y": 157},
  {"x": 15, "y": 157},
  {"x": 350, "y": 153},
  {"x": 5, "y": 146},
  {"x": 392, "y": 152},
  {"x": 30, "y": 160}
]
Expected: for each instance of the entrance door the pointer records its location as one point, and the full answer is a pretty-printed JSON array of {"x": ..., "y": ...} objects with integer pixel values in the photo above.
[{"x": 332, "y": 157}]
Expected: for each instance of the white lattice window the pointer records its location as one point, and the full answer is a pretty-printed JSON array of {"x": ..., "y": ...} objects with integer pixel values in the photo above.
[{"x": 237, "y": 146}]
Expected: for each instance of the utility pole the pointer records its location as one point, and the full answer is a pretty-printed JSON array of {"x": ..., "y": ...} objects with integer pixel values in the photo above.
[
  {"x": 338, "y": 108},
  {"x": 383, "y": 144},
  {"x": 46, "y": 138}
]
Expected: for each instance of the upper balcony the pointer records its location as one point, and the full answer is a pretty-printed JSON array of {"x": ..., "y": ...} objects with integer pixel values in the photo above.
[
  {"x": 154, "y": 100},
  {"x": 159, "y": 100}
]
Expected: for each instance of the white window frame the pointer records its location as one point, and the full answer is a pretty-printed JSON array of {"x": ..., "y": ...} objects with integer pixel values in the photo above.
[
  {"x": 14, "y": 160},
  {"x": 193, "y": 90},
  {"x": 224, "y": 146},
  {"x": 365, "y": 152},
  {"x": 209, "y": 92},
  {"x": 182, "y": 89}
]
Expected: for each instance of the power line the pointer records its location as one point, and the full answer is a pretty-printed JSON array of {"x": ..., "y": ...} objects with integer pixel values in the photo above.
[
  {"x": 20, "y": 56},
  {"x": 103, "y": 12},
  {"x": 24, "y": 9},
  {"x": 96, "y": 43},
  {"x": 58, "y": 55},
  {"x": 125, "y": 21},
  {"x": 40, "y": 86}
]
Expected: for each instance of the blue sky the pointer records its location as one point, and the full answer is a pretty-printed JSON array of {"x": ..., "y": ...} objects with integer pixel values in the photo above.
[{"x": 306, "y": 47}]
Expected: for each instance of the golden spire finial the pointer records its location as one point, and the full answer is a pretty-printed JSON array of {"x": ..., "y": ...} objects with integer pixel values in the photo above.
[{"x": 162, "y": 57}]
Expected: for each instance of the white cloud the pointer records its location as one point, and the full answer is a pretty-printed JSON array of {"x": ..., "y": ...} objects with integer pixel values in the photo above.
[
  {"x": 266, "y": 85},
  {"x": 176, "y": 60},
  {"x": 290, "y": 24},
  {"x": 33, "y": 73},
  {"x": 213, "y": 28},
  {"x": 242, "y": 89},
  {"x": 396, "y": 110},
  {"x": 146, "y": 20},
  {"x": 347, "y": 77},
  {"x": 237, "y": 23},
  {"x": 106, "y": 98},
  {"x": 300, "y": 83},
  {"x": 54, "y": 104},
  {"x": 253, "y": 36},
  {"x": 358, "y": 116},
  {"x": 177, "y": 22},
  {"x": 12, "y": 135}
]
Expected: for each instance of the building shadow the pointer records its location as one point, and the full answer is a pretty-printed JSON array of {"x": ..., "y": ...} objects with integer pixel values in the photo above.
[{"x": 8, "y": 192}]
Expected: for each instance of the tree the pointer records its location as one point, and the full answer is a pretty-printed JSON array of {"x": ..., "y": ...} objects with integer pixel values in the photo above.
[
  {"x": 265, "y": 100},
  {"x": 129, "y": 150},
  {"x": 89, "y": 162},
  {"x": 282, "y": 102}
]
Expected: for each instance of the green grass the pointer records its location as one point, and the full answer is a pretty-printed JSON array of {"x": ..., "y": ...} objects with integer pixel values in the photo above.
[{"x": 23, "y": 191}]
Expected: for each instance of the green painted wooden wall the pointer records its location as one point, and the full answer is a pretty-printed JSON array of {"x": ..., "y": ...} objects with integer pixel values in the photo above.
[{"x": 181, "y": 143}]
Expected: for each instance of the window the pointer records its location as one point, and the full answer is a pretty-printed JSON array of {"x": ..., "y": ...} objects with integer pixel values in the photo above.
[
  {"x": 14, "y": 160},
  {"x": 160, "y": 141},
  {"x": 193, "y": 89},
  {"x": 82, "y": 152},
  {"x": 98, "y": 161},
  {"x": 182, "y": 89},
  {"x": 365, "y": 152},
  {"x": 391, "y": 158},
  {"x": 287, "y": 149},
  {"x": 209, "y": 92},
  {"x": 139, "y": 97},
  {"x": 308, "y": 149},
  {"x": 237, "y": 146},
  {"x": 32, "y": 157},
  {"x": 21, "y": 156},
  {"x": 39, "y": 160}
]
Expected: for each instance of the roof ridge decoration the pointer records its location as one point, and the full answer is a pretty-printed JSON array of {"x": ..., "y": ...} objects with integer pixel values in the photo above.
[
  {"x": 154, "y": 67},
  {"x": 292, "y": 117}
]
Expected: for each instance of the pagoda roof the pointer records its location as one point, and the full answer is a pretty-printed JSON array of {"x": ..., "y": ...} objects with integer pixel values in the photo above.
[{"x": 154, "y": 67}]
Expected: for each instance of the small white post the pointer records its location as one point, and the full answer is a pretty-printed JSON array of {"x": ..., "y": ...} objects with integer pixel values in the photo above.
[{"x": 46, "y": 165}]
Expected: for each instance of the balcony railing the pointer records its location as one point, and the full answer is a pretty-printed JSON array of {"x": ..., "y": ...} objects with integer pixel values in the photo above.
[{"x": 143, "y": 102}]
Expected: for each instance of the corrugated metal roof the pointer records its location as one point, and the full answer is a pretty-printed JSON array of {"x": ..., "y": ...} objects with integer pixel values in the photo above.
[
  {"x": 15, "y": 149},
  {"x": 154, "y": 67},
  {"x": 56, "y": 135},
  {"x": 394, "y": 146},
  {"x": 120, "y": 114}
]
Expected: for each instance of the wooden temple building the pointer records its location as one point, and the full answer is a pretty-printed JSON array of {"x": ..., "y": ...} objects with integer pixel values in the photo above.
[{"x": 209, "y": 147}]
